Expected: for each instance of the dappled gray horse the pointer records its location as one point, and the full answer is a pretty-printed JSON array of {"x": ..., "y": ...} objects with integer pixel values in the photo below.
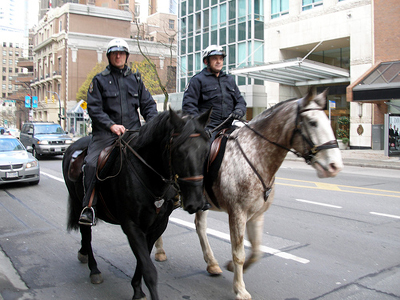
[{"x": 244, "y": 187}]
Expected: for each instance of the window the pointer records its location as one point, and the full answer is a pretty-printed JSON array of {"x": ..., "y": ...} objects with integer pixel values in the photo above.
[
  {"x": 4, "y": 78},
  {"x": 198, "y": 22},
  {"x": 222, "y": 15},
  {"x": 309, "y": 4},
  {"x": 171, "y": 24},
  {"x": 214, "y": 18},
  {"x": 4, "y": 69},
  {"x": 279, "y": 8},
  {"x": 4, "y": 53},
  {"x": 183, "y": 27}
]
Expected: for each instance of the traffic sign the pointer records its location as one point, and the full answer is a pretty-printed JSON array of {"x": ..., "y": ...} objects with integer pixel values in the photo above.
[{"x": 84, "y": 104}]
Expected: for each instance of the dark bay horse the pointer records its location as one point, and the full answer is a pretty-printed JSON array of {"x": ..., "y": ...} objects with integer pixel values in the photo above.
[
  {"x": 244, "y": 187},
  {"x": 164, "y": 160}
]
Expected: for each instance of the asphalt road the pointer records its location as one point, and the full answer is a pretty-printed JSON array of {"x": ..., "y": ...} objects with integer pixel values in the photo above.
[{"x": 323, "y": 239}]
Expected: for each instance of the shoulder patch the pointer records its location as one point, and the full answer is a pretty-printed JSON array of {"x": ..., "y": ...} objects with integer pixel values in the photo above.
[{"x": 91, "y": 87}]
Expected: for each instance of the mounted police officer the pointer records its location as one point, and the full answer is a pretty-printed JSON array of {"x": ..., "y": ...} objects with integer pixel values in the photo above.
[
  {"x": 212, "y": 87},
  {"x": 113, "y": 100}
]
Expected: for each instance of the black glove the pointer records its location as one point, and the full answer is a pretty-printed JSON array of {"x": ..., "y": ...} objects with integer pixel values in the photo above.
[{"x": 236, "y": 114}]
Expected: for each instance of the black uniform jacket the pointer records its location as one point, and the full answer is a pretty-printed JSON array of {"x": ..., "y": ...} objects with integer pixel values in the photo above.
[
  {"x": 205, "y": 90},
  {"x": 114, "y": 97}
]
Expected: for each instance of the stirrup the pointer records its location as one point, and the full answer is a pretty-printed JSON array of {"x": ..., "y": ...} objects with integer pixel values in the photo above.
[{"x": 85, "y": 221}]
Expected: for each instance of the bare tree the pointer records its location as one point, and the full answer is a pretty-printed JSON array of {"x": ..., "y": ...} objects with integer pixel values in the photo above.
[{"x": 169, "y": 45}]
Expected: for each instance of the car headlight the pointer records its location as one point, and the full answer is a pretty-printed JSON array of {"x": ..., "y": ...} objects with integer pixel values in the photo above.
[
  {"x": 68, "y": 141},
  {"x": 43, "y": 142},
  {"x": 31, "y": 164}
]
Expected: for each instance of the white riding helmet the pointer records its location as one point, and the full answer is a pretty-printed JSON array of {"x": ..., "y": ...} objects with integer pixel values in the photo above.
[
  {"x": 213, "y": 50},
  {"x": 117, "y": 44}
]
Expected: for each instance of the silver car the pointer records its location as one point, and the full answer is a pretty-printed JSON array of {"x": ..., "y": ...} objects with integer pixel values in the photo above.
[
  {"x": 44, "y": 138},
  {"x": 16, "y": 164}
]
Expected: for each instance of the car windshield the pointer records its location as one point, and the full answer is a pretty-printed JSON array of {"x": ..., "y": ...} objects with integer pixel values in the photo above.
[
  {"x": 7, "y": 145},
  {"x": 49, "y": 129}
]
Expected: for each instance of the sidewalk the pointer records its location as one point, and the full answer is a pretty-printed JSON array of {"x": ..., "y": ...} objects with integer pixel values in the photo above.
[{"x": 363, "y": 158}]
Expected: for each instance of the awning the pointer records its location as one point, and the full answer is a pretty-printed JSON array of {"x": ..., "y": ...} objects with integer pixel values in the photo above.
[
  {"x": 296, "y": 72},
  {"x": 381, "y": 82}
]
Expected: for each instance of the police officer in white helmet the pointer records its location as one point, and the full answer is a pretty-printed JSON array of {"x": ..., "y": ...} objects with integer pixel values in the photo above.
[
  {"x": 213, "y": 88},
  {"x": 114, "y": 97}
]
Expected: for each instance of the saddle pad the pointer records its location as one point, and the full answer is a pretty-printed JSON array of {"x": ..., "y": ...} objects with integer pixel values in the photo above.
[{"x": 211, "y": 170}]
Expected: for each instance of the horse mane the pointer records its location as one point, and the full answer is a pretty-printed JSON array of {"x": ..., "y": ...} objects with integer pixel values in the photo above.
[
  {"x": 152, "y": 131},
  {"x": 159, "y": 130},
  {"x": 270, "y": 111}
]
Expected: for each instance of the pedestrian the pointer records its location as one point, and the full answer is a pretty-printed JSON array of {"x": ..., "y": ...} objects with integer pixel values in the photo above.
[
  {"x": 113, "y": 100},
  {"x": 212, "y": 87}
]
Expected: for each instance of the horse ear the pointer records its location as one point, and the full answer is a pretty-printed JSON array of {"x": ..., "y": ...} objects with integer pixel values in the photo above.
[
  {"x": 205, "y": 117},
  {"x": 175, "y": 120},
  {"x": 309, "y": 97},
  {"x": 321, "y": 98}
]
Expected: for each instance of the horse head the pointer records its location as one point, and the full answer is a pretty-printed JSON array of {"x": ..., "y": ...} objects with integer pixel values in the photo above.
[
  {"x": 188, "y": 149},
  {"x": 315, "y": 140}
]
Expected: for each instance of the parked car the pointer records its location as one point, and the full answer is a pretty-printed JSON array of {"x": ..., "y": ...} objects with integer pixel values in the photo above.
[
  {"x": 16, "y": 164},
  {"x": 45, "y": 138},
  {"x": 13, "y": 131}
]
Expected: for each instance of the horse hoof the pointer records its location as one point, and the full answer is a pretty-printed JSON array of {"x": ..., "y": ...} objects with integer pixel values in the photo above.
[
  {"x": 214, "y": 270},
  {"x": 229, "y": 266},
  {"x": 161, "y": 256},
  {"x": 82, "y": 258},
  {"x": 96, "y": 278},
  {"x": 244, "y": 296}
]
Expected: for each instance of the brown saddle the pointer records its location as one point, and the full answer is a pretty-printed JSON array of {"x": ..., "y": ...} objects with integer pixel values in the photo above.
[
  {"x": 78, "y": 158},
  {"x": 215, "y": 147}
]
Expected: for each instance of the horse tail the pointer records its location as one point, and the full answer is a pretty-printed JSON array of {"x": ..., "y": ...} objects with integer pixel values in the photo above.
[{"x": 74, "y": 210}]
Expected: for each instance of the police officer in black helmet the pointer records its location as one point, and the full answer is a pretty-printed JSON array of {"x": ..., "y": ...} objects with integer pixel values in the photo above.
[
  {"x": 113, "y": 100},
  {"x": 214, "y": 88}
]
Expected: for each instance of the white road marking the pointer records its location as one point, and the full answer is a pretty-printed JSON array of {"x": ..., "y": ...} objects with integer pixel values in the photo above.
[
  {"x": 384, "y": 215},
  {"x": 222, "y": 235},
  {"x": 52, "y": 176},
  {"x": 318, "y": 203},
  {"x": 226, "y": 237}
]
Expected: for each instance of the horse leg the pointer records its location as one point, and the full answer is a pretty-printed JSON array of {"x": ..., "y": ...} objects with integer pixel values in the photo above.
[
  {"x": 254, "y": 233},
  {"x": 160, "y": 253},
  {"x": 85, "y": 254},
  {"x": 208, "y": 255},
  {"x": 237, "y": 223},
  {"x": 144, "y": 266}
]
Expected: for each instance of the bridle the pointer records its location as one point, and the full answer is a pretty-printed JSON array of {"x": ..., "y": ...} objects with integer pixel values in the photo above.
[
  {"x": 308, "y": 155},
  {"x": 174, "y": 179}
]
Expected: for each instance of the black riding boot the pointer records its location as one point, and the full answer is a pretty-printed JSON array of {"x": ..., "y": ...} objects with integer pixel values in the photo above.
[{"x": 88, "y": 216}]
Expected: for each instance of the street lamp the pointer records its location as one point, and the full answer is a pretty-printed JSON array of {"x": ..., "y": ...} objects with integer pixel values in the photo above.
[{"x": 59, "y": 106}]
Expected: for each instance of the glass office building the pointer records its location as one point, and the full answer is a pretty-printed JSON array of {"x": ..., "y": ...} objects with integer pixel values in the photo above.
[{"x": 236, "y": 25}]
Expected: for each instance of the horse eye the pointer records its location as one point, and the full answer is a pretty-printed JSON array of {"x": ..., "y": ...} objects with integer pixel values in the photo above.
[{"x": 313, "y": 124}]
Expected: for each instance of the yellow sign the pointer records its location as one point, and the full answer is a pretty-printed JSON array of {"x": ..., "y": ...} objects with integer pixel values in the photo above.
[{"x": 84, "y": 104}]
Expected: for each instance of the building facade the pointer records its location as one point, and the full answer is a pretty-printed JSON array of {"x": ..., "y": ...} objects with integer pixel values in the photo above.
[
  {"x": 68, "y": 42},
  {"x": 276, "y": 49}
]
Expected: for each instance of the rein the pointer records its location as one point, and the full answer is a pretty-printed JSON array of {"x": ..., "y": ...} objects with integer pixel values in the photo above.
[
  {"x": 314, "y": 149},
  {"x": 173, "y": 180}
]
